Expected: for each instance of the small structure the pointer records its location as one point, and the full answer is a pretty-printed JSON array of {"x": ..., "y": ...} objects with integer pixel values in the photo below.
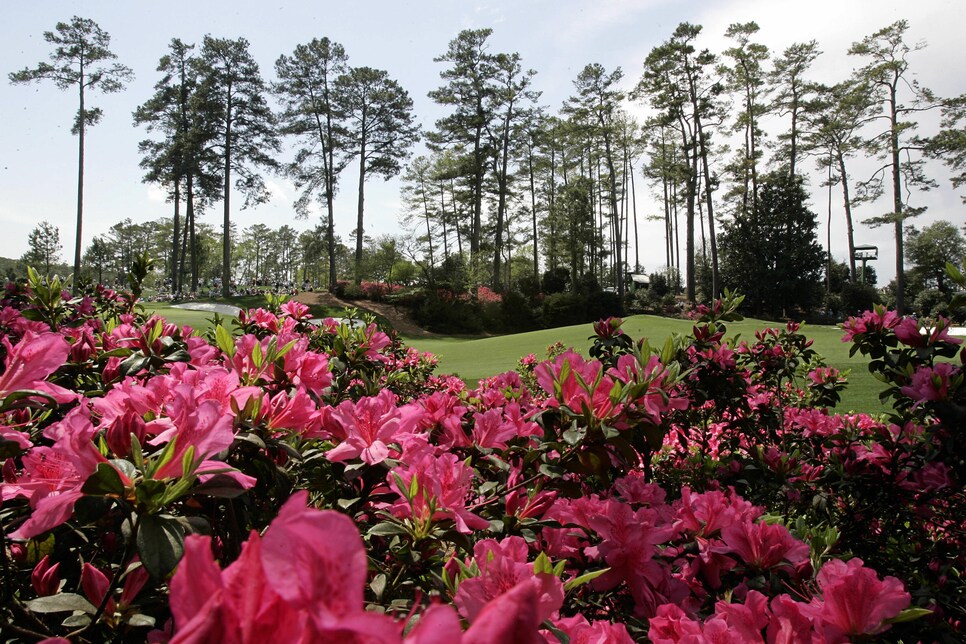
[
  {"x": 638, "y": 280},
  {"x": 866, "y": 254}
]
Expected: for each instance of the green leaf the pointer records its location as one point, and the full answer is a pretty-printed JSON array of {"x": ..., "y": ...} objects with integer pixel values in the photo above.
[
  {"x": 413, "y": 488},
  {"x": 583, "y": 579},
  {"x": 909, "y": 615},
  {"x": 257, "y": 357},
  {"x": 76, "y": 620},
  {"x": 61, "y": 602},
  {"x": 378, "y": 585},
  {"x": 386, "y": 529},
  {"x": 220, "y": 486},
  {"x": 574, "y": 434},
  {"x": 188, "y": 462},
  {"x": 136, "y": 453},
  {"x": 140, "y": 619},
  {"x": 133, "y": 364},
  {"x": 105, "y": 481},
  {"x": 26, "y": 395},
  {"x": 551, "y": 471},
  {"x": 225, "y": 341},
  {"x": 167, "y": 454},
  {"x": 542, "y": 564},
  {"x": 125, "y": 467},
  {"x": 160, "y": 544}
]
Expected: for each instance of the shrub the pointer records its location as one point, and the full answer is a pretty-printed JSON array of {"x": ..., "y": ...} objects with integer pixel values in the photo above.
[
  {"x": 556, "y": 280},
  {"x": 563, "y": 309},
  {"x": 328, "y": 475},
  {"x": 857, "y": 297}
]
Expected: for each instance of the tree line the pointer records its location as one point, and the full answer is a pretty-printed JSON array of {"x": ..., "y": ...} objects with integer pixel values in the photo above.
[{"x": 509, "y": 189}]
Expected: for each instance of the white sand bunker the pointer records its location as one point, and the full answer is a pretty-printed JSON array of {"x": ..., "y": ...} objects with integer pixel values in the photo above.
[{"x": 221, "y": 309}]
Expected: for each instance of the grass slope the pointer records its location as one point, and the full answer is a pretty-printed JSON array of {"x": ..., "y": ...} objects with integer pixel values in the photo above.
[{"x": 480, "y": 358}]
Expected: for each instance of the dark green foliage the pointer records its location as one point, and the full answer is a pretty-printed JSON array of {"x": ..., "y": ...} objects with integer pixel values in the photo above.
[
  {"x": 556, "y": 280},
  {"x": 563, "y": 309},
  {"x": 772, "y": 255},
  {"x": 927, "y": 252},
  {"x": 45, "y": 246},
  {"x": 858, "y": 297},
  {"x": 441, "y": 312},
  {"x": 517, "y": 313}
]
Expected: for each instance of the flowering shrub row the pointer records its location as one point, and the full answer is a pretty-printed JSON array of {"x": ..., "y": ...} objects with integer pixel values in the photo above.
[{"x": 286, "y": 482}]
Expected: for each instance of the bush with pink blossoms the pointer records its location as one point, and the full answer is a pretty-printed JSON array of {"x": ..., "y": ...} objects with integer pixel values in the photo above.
[{"x": 283, "y": 481}]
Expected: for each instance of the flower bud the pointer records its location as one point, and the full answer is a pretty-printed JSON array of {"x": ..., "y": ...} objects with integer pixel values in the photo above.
[
  {"x": 83, "y": 348},
  {"x": 111, "y": 370},
  {"x": 118, "y": 434},
  {"x": 45, "y": 578}
]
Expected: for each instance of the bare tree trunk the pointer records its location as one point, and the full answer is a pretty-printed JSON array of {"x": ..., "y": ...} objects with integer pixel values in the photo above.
[
  {"x": 359, "y": 214},
  {"x": 81, "y": 123}
]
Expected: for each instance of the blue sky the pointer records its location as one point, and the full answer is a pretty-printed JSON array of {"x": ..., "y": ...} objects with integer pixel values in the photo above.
[{"x": 554, "y": 37}]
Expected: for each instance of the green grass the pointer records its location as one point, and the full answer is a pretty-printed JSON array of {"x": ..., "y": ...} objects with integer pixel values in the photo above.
[
  {"x": 472, "y": 359},
  {"x": 199, "y": 320}
]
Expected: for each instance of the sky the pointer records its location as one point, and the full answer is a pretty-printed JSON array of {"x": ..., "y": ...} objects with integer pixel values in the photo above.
[{"x": 557, "y": 38}]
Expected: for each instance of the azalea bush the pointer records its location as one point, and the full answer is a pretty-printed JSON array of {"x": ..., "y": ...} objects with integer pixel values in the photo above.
[{"x": 279, "y": 480}]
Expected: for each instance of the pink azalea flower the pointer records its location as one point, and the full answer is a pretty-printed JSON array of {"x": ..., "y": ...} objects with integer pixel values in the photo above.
[
  {"x": 908, "y": 333},
  {"x": 95, "y": 585},
  {"x": 628, "y": 546},
  {"x": 235, "y": 605},
  {"x": 31, "y": 360},
  {"x": 529, "y": 504},
  {"x": 444, "y": 411},
  {"x": 762, "y": 546},
  {"x": 580, "y": 390},
  {"x": 296, "y": 310},
  {"x": 301, "y": 582},
  {"x": 854, "y": 601},
  {"x": 635, "y": 489},
  {"x": 375, "y": 341},
  {"x": 490, "y": 431},
  {"x": 931, "y": 384},
  {"x": 438, "y": 625},
  {"x": 200, "y": 350},
  {"x": 297, "y": 413},
  {"x": 444, "y": 482},
  {"x": 876, "y": 320},
  {"x": 367, "y": 427},
  {"x": 511, "y": 618},
  {"x": 118, "y": 434},
  {"x": 309, "y": 369},
  {"x": 503, "y": 565},
  {"x": 707, "y": 513},
  {"x": 580, "y": 631},
  {"x": 670, "y": 625},
  {"x": 570, "y": 542},
  {"x": 52, "y": 477},
  {"x": 261, "y": 318},
  {"x": 202, "y": 426},
  {"x": 791, "y": 622},
  {"x": 746, "y": 620}
]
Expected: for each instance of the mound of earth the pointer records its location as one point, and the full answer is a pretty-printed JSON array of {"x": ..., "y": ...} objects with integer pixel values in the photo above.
[{"x": 396, "y": 316}]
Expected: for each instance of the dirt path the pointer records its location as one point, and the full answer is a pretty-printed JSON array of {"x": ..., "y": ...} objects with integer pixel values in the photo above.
[{"x": 396, "y": 315}]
